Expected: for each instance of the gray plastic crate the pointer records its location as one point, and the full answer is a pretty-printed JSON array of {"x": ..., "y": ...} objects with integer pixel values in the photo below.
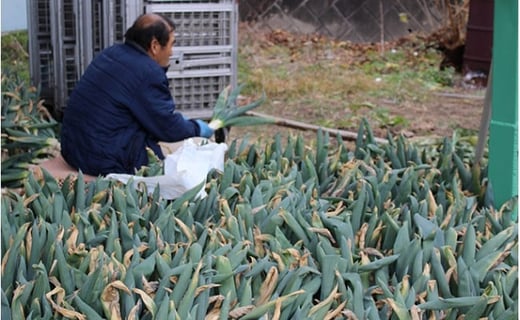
[
  {"x": 103, "y": 24},
  {"x": 64, "y": 37},
  {"x": 40, "y": 46},
  {"x": 204, "y": 61},
  {"x": 191, "y": 1},
  {"x": 53, "y": 48}
]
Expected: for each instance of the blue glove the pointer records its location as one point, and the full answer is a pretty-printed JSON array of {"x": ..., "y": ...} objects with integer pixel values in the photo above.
[{"x": 205, "y": 130}]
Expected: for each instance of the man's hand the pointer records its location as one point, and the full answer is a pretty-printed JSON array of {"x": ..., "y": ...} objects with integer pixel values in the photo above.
[{"x": 205, "y": 130}]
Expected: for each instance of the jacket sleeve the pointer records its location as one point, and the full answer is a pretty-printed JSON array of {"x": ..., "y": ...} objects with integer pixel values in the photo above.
[{"x": 153, "y": 107}]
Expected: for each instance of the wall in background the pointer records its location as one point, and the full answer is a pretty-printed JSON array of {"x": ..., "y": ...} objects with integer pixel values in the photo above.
[{"x": 14, "y": 15}]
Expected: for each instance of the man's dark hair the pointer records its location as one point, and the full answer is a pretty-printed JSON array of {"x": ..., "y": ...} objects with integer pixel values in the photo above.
[{"x": 150, "y": 26}]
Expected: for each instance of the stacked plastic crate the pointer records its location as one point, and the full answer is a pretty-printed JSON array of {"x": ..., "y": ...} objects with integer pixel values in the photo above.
[
  {"x": 205, "y": 52},
  {"x": 65, "y": 35},
  {"x": 103, "y": 23},
  {"x": 50, "y": 60}
]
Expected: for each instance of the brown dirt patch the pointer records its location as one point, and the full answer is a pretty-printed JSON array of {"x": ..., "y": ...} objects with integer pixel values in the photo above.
[{"x": 335, "y": 84}]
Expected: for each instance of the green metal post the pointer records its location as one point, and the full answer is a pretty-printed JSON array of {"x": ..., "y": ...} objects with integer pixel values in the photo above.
[{"x": 503, "y": 129}]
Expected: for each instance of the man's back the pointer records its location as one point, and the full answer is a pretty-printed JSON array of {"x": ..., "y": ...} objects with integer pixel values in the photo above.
[{"x": 123, "y": 105}]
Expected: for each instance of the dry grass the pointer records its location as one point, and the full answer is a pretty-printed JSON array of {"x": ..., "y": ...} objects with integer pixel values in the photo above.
[{"x": 336, "y": 84}]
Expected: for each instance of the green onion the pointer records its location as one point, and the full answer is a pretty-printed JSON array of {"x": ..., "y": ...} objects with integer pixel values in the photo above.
[{"x": 227, "y": 114}]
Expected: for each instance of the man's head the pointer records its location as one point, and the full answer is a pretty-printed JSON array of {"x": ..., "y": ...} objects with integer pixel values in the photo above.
[{"x": 154, "y": 33}]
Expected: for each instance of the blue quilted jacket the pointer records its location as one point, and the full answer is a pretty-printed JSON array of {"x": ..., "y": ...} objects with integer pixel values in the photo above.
[{"x": 120, "y": 106}]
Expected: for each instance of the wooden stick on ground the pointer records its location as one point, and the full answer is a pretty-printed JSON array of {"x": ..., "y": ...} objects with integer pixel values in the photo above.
[{"x": 347, "y": 135}]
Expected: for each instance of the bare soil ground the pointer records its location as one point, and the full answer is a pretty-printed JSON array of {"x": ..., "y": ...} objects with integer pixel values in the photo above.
[{"x": 335, "y": 84}]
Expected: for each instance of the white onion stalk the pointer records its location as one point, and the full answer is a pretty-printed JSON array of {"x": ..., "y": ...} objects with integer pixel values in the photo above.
[
  {"x": 227, "y": 114},
  {"x": 216, "y": 124}
]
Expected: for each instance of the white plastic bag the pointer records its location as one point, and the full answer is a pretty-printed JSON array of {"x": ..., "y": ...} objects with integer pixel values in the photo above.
[{"x": 184, "y": 169}]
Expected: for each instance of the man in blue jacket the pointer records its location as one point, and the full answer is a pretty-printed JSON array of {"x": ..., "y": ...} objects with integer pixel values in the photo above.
[{"x": 122, "y": 104}]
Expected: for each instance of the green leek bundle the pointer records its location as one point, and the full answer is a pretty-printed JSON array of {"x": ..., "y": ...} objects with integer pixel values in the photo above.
[{"x": 227, "y": 114}]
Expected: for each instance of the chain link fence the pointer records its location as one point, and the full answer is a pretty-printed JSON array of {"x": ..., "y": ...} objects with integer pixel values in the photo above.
[{"x": 347, "y": 20}]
